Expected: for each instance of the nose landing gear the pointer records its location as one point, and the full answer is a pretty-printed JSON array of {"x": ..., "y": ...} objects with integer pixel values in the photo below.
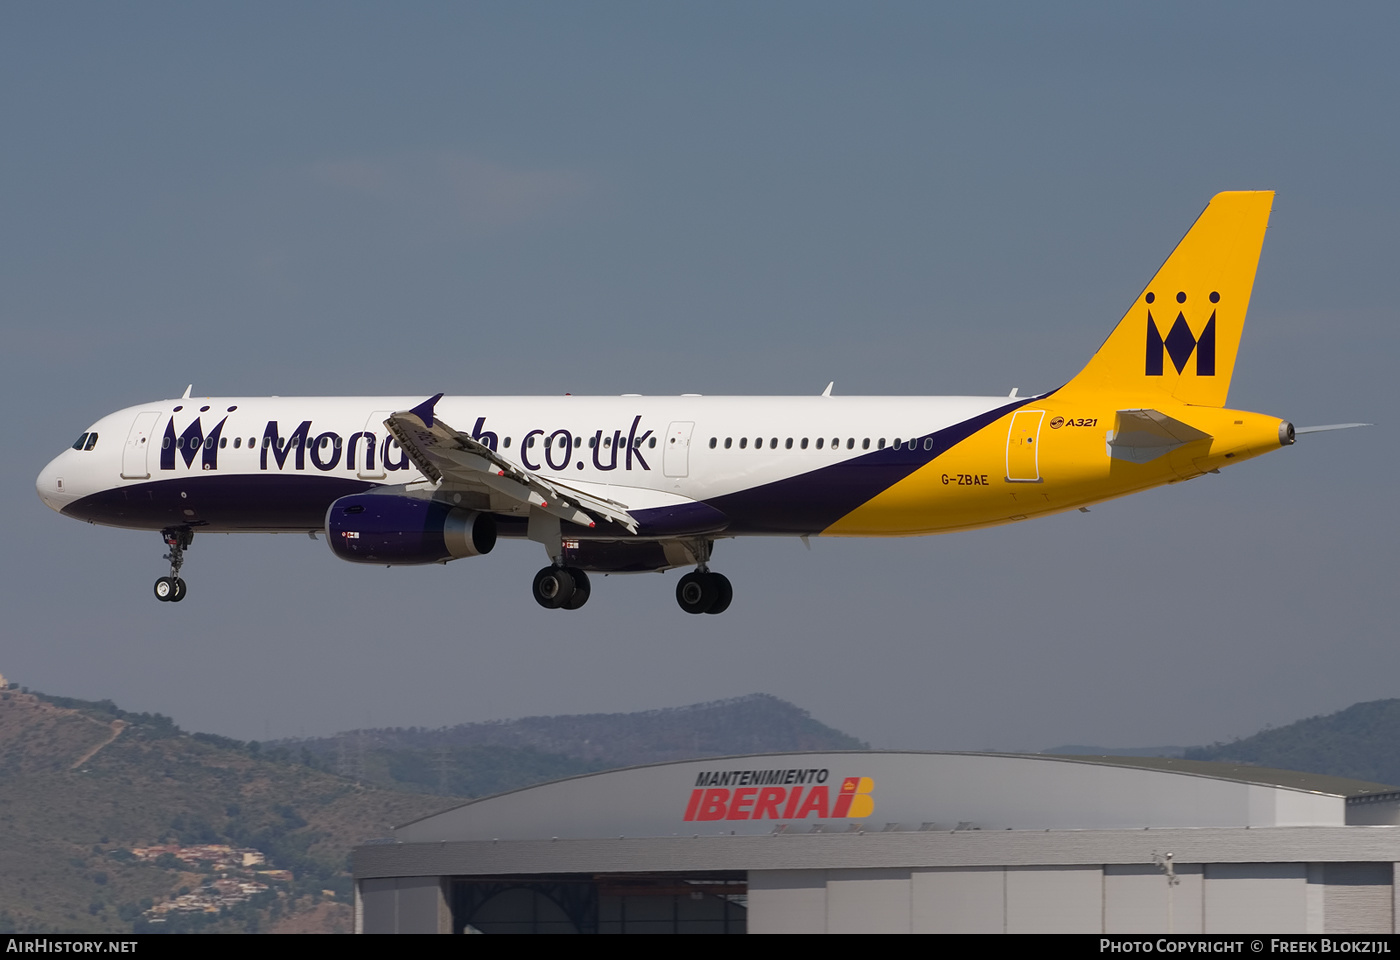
[{"x": 171, "y": 589}]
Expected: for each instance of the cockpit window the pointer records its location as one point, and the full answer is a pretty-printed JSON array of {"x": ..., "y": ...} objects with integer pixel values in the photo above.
[
  {"x": 78, "y": 443},
  {"x": 91, "y": 441}
]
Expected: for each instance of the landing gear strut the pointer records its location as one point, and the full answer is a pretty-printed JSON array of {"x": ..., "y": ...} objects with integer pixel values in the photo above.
[
  {"x": 171, "y": 589},
  {"x": 703, "y": 591},
  {"x": 561, "y": 588}
]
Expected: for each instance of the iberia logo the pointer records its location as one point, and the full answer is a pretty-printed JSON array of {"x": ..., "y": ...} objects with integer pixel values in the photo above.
[{"x": 778, "y": 795}]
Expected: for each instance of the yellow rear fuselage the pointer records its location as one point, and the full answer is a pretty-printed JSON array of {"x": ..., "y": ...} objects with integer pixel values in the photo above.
[{"x": 1052, "y": 455}]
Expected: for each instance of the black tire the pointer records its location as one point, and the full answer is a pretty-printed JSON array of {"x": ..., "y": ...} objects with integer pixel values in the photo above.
[
  {"x": 165, "y": 589},
  {"x": 179, "y": 593},
  {"x": 553, "y": 588},
  {"x": 724, "y": 593},
  {"x": 696, "y": 592},
  {"x": 582, "y": 589}
]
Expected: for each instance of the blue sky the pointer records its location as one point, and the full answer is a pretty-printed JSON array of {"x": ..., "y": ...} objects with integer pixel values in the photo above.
[{"x": 715, "y": 198}]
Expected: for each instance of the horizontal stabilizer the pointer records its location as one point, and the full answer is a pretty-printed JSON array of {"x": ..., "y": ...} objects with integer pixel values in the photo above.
[{"x": 1144, "y": 435}]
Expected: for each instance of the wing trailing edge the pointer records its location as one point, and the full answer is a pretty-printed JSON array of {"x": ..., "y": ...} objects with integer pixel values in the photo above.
[{"x": 448, "y": 456}]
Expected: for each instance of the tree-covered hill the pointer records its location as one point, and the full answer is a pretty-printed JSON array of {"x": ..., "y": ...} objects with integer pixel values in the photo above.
[
  {"x": 476, "y": 759},
  {"x": 84, "y": 784},
  {"x": 1358, "y": 742}
]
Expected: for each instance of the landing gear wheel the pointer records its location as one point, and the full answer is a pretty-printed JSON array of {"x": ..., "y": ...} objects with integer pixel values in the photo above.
[
  {"x": 581, "y": 589},
  {"x": 554, "y": 587},
  {"x": 724, "y": 593},
  {"x": 179, "y": 593},
  {"x": 704, "y": 592},
  {"x": 696, "y": 592},
  {"x": 165, "y": 589}
]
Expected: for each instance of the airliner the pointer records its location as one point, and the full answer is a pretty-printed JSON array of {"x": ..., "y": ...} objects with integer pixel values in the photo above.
[{"x": 632, "y": 483}]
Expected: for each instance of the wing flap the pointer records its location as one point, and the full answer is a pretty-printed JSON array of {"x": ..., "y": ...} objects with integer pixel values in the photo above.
[{"x": 445, "y": 455}]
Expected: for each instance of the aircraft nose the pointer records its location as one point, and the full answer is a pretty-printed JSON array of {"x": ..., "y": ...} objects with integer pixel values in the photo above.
[{"x": 51, "y": 487}]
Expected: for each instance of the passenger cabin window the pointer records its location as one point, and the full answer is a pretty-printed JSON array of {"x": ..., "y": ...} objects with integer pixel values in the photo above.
[
  {"x": 865, "y": 444},
  {"x": 713, "y": 442},
  {"x": 237, "y": 442},
  {"x": 787, "y": 444},
  {"x": 851, "y": 443},
  {"x": 882, "y": 443},
  {"x": 743, "y": 443},
  {"x": 804, "y": 443},
  {"x": 728, "y": 442},
  {"x": 652, "y": 443},
  {"x": 820, "y": 441},
  {"x": 774, "y": 444}
]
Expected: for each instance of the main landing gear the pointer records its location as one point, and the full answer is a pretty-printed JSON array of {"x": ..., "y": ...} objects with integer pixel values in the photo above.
[
  {"x": 561, "y": 588},
  {"x": 171, "y": 589},
  {"x": 703, "y": 591}
]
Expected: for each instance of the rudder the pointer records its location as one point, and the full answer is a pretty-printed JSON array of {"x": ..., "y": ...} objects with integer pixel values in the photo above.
[{"x": 1182, "y": 334}]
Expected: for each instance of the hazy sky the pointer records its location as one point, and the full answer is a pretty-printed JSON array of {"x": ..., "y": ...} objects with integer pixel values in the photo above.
[{"x": 746, "y": 198}]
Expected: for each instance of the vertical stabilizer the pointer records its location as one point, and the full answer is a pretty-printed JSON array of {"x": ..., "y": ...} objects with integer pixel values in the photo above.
[{"x": 1182, "y": 334}]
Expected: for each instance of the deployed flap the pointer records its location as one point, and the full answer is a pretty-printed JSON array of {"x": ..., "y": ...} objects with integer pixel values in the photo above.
[
  {"x": 445, "y": 455},
  {"x": 1145, "y": 435}
]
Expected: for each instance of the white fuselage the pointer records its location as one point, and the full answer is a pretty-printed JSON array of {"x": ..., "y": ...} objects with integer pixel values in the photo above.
[{"x": 276, "y": 463}]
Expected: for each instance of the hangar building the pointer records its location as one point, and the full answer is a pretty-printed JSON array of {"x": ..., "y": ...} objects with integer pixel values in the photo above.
[{"x": 866, "y": 842}]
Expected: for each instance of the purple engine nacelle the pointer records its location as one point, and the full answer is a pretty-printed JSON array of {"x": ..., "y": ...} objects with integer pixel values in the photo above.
[{"x": 391, "y": 529}]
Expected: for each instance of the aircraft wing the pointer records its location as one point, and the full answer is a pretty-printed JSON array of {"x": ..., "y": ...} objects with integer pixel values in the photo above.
[
  {"x": 445, "y": 455},
  {"x": 1145, "y": 435}
]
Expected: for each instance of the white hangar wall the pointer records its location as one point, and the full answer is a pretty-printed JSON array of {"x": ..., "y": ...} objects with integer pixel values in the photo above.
[{"x": 1115, "y": 899}]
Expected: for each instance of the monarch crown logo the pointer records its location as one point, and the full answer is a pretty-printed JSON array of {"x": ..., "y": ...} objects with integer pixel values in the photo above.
[{"x": 1180, "y": 342}]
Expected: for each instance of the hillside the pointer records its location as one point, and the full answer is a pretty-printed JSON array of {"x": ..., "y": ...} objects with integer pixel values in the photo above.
[
  {"x": 1356, "y": 742},
  {"x": 83, "y": 784},
  {"x": 112, "y": 821},
  {"x": 476, "y": 759}
]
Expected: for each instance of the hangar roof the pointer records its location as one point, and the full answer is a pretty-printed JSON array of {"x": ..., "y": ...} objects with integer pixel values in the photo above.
[
  {"x": 883, "y": 791},
  {"x": 1244, "y": 773}
]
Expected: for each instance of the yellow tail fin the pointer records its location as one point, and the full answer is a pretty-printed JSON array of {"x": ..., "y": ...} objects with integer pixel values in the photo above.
[{"x": 1182, "y": 335}]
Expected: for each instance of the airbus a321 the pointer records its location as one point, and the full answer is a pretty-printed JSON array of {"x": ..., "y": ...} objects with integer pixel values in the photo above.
[{"x": 631, "y": 483}]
